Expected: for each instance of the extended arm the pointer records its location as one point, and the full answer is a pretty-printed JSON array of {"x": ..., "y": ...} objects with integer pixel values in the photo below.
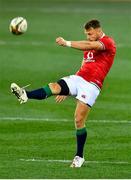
[{"x": 81, "y": 45}]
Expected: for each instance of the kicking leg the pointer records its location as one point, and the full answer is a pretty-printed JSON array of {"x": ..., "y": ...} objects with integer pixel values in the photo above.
[{"x": 57, "y": 88}]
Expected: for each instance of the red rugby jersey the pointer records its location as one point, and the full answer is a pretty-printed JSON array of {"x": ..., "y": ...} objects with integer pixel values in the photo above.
[{"x": 98, "y": 63}]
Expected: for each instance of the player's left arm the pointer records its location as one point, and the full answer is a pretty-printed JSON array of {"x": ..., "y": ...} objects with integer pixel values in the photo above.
[{"x": 81, "y": 45}]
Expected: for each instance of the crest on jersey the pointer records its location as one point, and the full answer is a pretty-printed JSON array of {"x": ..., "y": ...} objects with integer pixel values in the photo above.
[{"x": 83, "y": 96}]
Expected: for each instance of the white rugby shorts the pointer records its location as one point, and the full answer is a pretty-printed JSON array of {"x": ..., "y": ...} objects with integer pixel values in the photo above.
[{"x": 81, "y": 89}]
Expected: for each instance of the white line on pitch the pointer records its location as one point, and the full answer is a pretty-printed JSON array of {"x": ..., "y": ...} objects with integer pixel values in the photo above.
[
  {"x": 63, "y": 120},
  {"x": 68, "y": 161},
  {"x": 34, "y": 119}
]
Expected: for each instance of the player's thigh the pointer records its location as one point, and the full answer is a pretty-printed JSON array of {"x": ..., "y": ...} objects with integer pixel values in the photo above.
[{"x": 82, "y": 109}]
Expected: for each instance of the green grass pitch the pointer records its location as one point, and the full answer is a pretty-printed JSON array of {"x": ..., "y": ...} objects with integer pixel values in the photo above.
[{"x": 37, "y": 139}]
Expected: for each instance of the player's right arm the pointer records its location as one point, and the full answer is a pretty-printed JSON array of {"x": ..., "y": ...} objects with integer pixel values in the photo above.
[
  {"x": 60, "y": 98},
  {"x": 81, "y": 45}
]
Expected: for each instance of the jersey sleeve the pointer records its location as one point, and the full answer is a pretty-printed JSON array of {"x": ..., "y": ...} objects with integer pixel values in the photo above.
[{"x": 106, "y": 42}]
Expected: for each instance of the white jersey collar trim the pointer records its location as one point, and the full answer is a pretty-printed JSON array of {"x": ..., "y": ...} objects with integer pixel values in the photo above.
[{"x": 102, "y": 35}]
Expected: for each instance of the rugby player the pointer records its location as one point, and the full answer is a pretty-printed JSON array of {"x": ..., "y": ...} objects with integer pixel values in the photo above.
[{"x": 99, "y": 52}]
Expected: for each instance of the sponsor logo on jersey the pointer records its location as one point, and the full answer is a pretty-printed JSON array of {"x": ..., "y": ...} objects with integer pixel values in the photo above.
[{"x": 90, "y": 57}]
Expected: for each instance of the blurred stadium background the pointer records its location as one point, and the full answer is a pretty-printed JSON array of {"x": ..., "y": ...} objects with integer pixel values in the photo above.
[{"x": 34, "y": 135}]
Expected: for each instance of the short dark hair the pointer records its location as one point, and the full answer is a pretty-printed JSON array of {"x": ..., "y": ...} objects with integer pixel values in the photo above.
[{"x": 92, "y": 24}]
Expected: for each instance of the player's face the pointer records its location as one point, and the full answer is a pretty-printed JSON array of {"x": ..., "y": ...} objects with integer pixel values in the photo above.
[{"x": 92, "y": 34}]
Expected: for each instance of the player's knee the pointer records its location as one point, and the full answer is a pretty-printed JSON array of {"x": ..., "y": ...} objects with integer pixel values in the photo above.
[
  {"x": 55, "y": 88},
  {"x": 79, "y": 121}
]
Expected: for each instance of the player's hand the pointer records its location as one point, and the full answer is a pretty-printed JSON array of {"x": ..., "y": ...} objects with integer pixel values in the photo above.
[
  {"x": 60, "y": 98},
  {"x": 60, "y": 41}
]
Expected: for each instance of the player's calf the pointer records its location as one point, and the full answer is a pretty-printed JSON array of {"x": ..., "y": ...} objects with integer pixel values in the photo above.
[{"x": 57, "y": 88}]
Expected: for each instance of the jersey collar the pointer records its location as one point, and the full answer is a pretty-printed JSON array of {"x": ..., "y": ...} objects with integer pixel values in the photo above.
[{"x": 102, "y": 35}]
